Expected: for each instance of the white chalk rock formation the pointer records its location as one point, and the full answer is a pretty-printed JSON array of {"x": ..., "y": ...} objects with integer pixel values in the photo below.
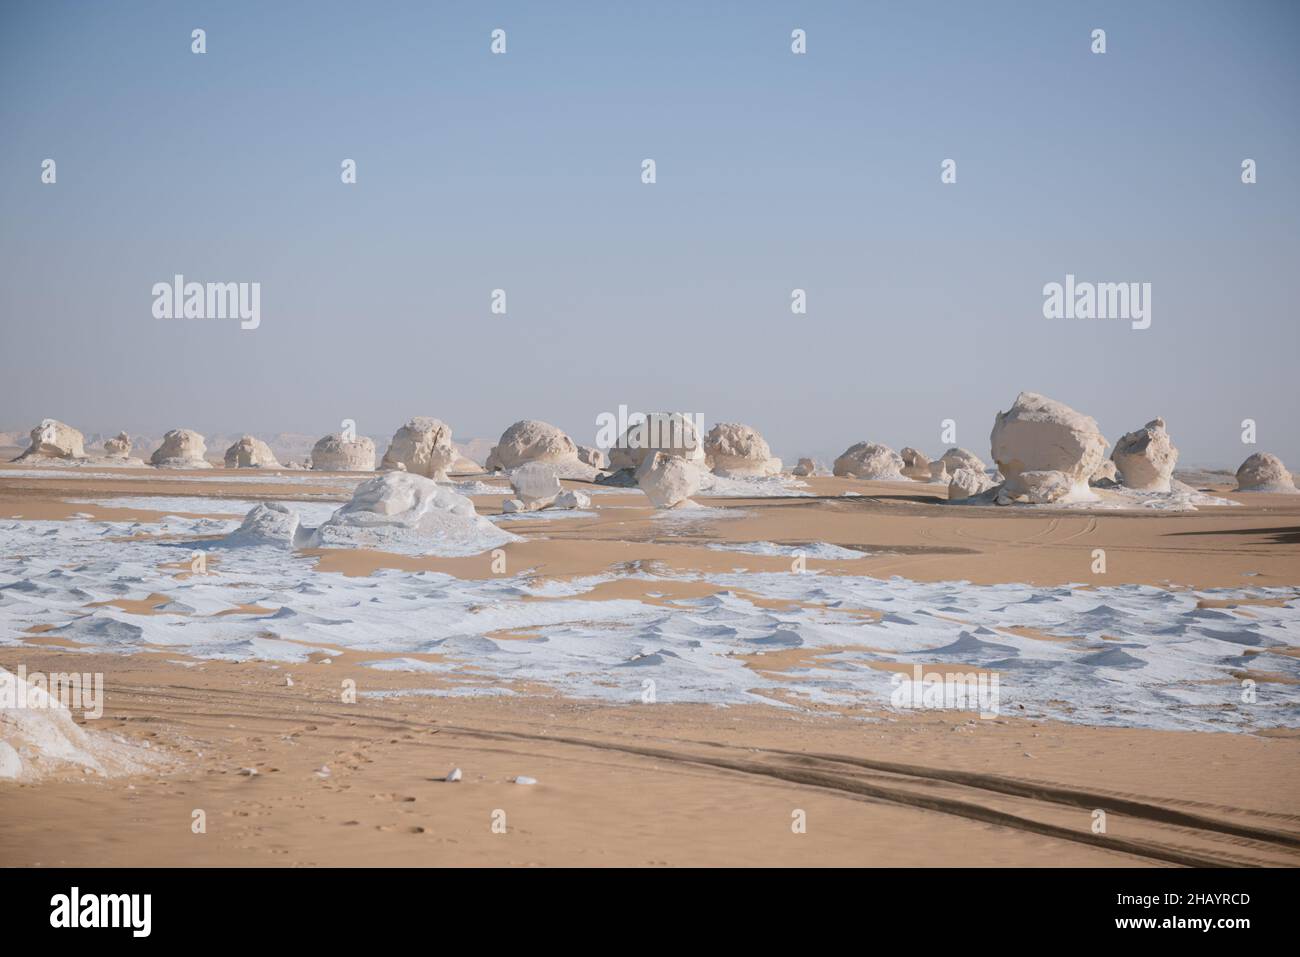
[
  {"x": 1106, "y": 476},
  {"x": 596, "y": 458},
  {"x": 1146, "y": 458},
  {"x": 334, "y": 453},
  {"x": 806, "y": 467},
  {"x": 411, "y": 514},
  {"x": 1039, "y": 487},
  {"x": 38, "y": 737},
  {"x": 668, "y": 480},
  {"x": 422, "y": 447},
  {"x": 939, "y": 472},
  {"x": 869, "y": 460},
  {"x": 916, "y": 464},
  {"x": 1038, "y": 434},
  {"x": 118, "y": 447},
  {"x": 53, "y": 439},
  {"x": 535, "y": 484},
  {"x": 1264, "y": 472},
  {"x": 967, "y": 483},
  {"x": 181, "y": 449},
  {"x": 672, "y": 433},
  {"x": 267, "y": 523},
  {"x": 532, "y": 441},
  {"x": 738, "y": 451},
  {"x": 956, "y": 458},
  {"x": 250, "y": 453},
  {"x": 572, "y": 498}
]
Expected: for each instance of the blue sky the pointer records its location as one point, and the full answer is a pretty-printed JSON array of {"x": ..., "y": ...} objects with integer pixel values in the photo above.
[{"x": 775, "y": 171}]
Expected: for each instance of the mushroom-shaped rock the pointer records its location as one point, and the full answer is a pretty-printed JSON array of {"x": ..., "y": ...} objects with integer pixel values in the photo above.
[
  {"x": 250, "y": 453},
  {"x": 532, "y": 441},
  {"x": 53, "y": 439},
  {"x": 916, "y": 464},
  {"x": 267, "y": 523},
  {"x": 119, "y": 446},
  {"x": 668, "y": 480},
  {"x": 1146, "y": 458},
  {"x": 1039, "y": 487},
  {"x": 869, "y": 460},
  {"x": 337, "y": 453},
  {"x": 535, "y": 484},
  {"x": 673, "y": 433},
  {"x": 422, "y": 447},
  {"x": 1264, "y": 472},
  {"x": 181, "y": 449},
  {"x": 1038, "y": 434},
  {"x": 401, "y": 512},
  {"x": 736, "y": 450},
  {"x": 967, "y": 483},
  {"x": 806, "y": 467}
]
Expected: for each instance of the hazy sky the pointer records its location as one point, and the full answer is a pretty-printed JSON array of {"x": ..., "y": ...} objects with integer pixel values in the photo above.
[{"x": 522, "y": 171}]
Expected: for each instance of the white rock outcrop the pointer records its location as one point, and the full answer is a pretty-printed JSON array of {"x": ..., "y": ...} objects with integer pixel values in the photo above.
[
  {"x": 967, "y": 483},
  {"x": 530, "y": 440},
  {"x": 181, "y": 449},
  {"x": 1146, "y": 458},
  {"x": 1264, "y": 472},
  {"x": 267, "y": 523},
  {"x": 738, "y": 451},
  {"x": 118, "y": 447},
  {"x": 1106, "y": 476},
  {"x": 939, "y": 472},
  {"x": 596, "y": 458},
  {"x": 422, "y": 447},
  {"x": 53, "y": 439},
  {"x": 956, "y": 458},
  {"x": 916, "y": 464},
  {"x": 805, "y": 468},
  {"x": 572, "y": 498},
  {"x": 535, "y": 485},
  {"x": 869, "y": 460},
  {"x": 1038, "y": 434},
  {"x": 668, "y": 480},
  {"x": 250, "y": 453},
  {"x": 411, "y": 514},
  {"x": 672, "y": 433},
  {"x": 336, "y": 453}
]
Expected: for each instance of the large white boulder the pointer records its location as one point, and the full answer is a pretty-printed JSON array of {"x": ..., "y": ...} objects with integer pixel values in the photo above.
[
  {"x": 869, "y": 460},
  {"x": 535, "y": 484},
  {"x": 735, "y": 450},
  {"x": 532, "y": 441},
  {"x": 1264, "y": 472},
  {"x": 668, "y": 480},
  {"x": 672, "y": 433},
  {"x": 805, "y": 468},
  {"x": 967, "y": 483},
  {"x": 181, "y": 449},
  {"x": 422, "y": 447},
  {"x": 1146, "y": 458},
  {"x": 267, "y": 523},
  {"x": 250, "y": 453},
  {"x": 118, "y": 447},
  {"x": 411, "y": 514},
  {"x": 336, "y": 453},
  {"x": 53, "y": 439},
  {"x": 1038, "y": 434}
]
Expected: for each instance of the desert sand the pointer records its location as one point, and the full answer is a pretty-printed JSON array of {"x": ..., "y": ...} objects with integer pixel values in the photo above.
[{"x": 287, "y": 772}]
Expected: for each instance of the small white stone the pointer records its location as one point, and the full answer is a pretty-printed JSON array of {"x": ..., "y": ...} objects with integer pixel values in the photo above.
[
  {"x": 454, "y": 776},
  {"x": 524, "y": 779}
]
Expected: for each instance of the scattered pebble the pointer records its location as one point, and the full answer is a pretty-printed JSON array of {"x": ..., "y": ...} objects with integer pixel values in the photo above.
[
  {"x": 248, "y": 772},
  {"x": 454, "y": 776},
  {"x": 288, "y": 681},
  {"x": 323, "y": 771},
  {"x": 522, "y": 779}
]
